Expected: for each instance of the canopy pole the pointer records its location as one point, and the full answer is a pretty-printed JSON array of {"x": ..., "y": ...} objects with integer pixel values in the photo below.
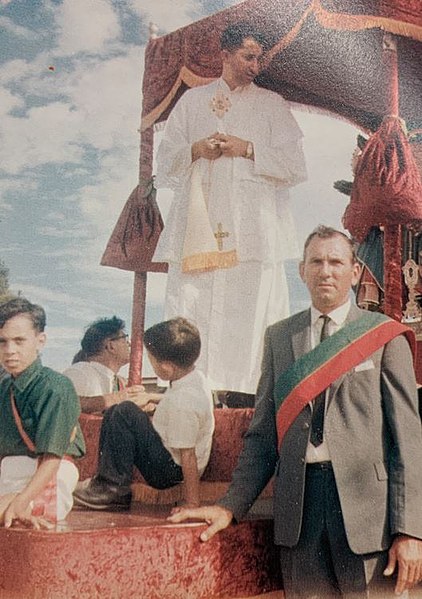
[
  {"x": 140, "y": 278},
  {"x": 389, "y": 50},
  {"x": 393, "y": 283}
]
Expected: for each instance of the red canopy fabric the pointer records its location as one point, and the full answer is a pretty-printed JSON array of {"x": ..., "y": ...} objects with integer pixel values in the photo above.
[{"x": 323, "y": 53}]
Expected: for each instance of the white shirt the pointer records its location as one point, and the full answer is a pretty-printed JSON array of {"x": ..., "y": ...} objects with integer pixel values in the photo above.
[
  {"x": 184, "y": 418},
  {"x": 90, "y": 379},
  {"x": 337, "y": 320}
]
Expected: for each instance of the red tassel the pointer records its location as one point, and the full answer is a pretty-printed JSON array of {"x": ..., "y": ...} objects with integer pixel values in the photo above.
[{"x": 387, "y": 189}]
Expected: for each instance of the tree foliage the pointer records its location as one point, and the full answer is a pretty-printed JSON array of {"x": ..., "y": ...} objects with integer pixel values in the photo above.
[{"x": 4, "y": 280}]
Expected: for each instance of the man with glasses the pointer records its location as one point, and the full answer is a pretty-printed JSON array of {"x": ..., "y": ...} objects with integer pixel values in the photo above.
[{"x": 105, "y": 349}]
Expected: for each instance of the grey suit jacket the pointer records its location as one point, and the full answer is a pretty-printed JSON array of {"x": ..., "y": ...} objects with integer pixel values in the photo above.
[{"x": 373, "y": 430}]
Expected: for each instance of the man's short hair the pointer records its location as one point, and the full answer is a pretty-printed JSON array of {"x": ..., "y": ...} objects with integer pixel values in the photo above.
[
  {"x": 234, "y": 35},
  {"x": 176, "y": 341},
  {"x": 20, "y": 305},
  {"x": 324, "y": 232},
  {"x": 97, "y": 334}
]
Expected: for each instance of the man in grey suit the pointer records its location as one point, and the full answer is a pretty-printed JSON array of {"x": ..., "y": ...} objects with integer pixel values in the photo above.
[{"x": 347, "y": 463}]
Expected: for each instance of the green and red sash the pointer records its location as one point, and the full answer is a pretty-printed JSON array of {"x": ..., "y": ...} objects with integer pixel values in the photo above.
[{"x": 318, "y": 369}]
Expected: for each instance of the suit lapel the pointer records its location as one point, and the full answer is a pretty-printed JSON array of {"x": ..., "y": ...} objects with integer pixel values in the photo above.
[{"x": 301, "y": 337}]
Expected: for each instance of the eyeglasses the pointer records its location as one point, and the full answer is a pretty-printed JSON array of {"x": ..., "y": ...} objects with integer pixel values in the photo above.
[{"x": 124, "y": 336}]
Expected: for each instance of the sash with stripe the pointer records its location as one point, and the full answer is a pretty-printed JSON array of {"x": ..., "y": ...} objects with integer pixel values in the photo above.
[
  {"x": 318, "y": 369},
  {"x": 45, "y": 504}
]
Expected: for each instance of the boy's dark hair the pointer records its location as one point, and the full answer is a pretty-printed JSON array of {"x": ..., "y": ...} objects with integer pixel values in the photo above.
[
  {"x": 176, "y": 341},
  {"x": 234, "y": 35},
  {"x": 20, "y": 305},
  {"x": 324, "y": 232},
  {"x": 97, "y": 334}
]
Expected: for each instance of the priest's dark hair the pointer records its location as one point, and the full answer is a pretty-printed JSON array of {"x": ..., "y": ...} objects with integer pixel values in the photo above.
[
  {"x": 233, "y": 36},
  {"x": 20, "y": 305},
  {"x": 176, "y": 341}
]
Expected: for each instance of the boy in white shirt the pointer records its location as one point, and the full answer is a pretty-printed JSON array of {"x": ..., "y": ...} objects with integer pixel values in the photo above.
[{"x": 172, "y": 447}]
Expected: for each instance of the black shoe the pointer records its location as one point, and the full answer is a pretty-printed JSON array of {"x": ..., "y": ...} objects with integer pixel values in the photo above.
[{"x": 100, "y": 495}]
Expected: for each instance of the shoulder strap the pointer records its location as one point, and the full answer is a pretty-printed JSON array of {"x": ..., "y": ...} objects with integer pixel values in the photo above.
[{"x": 25, "y": 438}]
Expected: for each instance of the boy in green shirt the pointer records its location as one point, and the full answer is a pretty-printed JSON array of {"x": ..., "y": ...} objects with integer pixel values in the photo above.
[{"x": 40, "y": 434}]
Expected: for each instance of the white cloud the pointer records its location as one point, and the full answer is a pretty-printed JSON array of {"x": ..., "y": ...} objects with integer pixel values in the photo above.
[
  {"x": 86, "y": 26},
  {"x": 13, "y": 70},
  {"x": 168, "y": 15},
  {"x": 47, "y": 134},
  {"x": 107, "y": 94},
  {"x": 9, "y": 185},
  {"x": 8, "y": 25},
  {"x": 9, "y": 101}
]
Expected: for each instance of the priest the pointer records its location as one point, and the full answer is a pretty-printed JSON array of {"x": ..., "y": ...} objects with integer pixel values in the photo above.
[{"x": 230, "y": 151}]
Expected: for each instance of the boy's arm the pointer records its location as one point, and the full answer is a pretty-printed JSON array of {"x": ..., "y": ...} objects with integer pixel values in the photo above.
[
  {"x": 189, "y": 466},
  {"x": 135, "y": 393},
  {"x": 20, "y": 508}
]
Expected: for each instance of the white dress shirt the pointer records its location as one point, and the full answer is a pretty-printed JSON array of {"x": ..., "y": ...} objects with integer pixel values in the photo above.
[{"x": 337, "y": 320}]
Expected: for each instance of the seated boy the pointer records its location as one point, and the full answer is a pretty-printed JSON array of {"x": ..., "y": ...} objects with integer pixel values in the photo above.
[
  {"x": 39, "y": 434},
  {"x": 172, "y": 447}
]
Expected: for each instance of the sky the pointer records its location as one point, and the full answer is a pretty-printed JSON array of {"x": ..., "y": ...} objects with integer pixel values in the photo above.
[{"x": 70, "y": 103}]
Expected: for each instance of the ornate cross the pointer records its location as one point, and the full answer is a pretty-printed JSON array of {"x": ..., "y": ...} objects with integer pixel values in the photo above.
[{"x": 220, "y": 235}]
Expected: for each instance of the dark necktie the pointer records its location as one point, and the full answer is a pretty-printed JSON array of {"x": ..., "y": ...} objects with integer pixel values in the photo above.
[
  {"x": 116, "y": 384},
  {"x": 317, "y": 426}
]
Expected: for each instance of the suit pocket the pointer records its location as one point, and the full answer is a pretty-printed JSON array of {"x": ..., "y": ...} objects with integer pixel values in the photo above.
[{"x": 381, "y": 471}]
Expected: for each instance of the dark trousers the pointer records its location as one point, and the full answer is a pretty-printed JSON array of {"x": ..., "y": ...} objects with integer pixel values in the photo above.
[
  {"x": 322, "y": 565},
  {"x": 128, "y": 439}
]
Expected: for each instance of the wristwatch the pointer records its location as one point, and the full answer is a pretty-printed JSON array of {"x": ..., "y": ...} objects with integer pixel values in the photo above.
[{"x": 249, "y": 150}]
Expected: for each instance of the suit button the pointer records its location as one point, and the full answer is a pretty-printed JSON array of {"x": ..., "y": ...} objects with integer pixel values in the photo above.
[{"x": 305, "y": 426}]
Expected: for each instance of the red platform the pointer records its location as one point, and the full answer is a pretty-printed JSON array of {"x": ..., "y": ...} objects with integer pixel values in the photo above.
[{"x": 137, "y": 554}]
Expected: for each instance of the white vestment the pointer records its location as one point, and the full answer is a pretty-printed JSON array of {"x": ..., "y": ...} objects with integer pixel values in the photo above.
[{"x": 248, "y": 199}]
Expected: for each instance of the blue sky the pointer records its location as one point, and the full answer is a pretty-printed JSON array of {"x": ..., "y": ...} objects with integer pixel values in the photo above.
[{"x": 70, "y": 101}]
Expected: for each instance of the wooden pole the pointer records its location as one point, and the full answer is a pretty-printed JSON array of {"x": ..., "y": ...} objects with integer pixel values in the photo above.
[
  {"x": 140, "y": 278},
  {"x": 393, "y": 283}
]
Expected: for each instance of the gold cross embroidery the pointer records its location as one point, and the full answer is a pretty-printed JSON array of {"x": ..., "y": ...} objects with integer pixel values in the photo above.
[
  {"x": 220, "y": 235},
  {"x": 220, "y": 104}
]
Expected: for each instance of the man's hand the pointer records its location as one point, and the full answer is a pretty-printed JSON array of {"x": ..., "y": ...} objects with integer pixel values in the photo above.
[
  {"x": 216, "y": 516},
  {"x": 208, "y": 148},
  {"x": 142, "y": 398},
  {"x": 231, "y": 145},
  {"x": 406, "y": 554}
]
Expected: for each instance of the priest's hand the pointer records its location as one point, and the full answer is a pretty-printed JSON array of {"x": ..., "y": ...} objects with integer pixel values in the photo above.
[
  {"x": 232, "y": 146},
  {"x": 406, "y": 554},
  {"x": 208, "y": 147},
  {"x": 216, "y": 516}
]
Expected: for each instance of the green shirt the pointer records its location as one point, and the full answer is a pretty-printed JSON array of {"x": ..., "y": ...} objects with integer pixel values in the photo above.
[{"x": 49, "y": 409}]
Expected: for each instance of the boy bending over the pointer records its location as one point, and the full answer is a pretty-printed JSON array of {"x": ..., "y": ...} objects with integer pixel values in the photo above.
[
  {"x": 39, "y": 433},
  {"x": 172, "y": 447}
]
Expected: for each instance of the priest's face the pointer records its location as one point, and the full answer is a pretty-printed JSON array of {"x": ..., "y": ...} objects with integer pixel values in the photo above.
[
  {"x": 241, "y": 66},
  {"x": 329, "y": 271}
]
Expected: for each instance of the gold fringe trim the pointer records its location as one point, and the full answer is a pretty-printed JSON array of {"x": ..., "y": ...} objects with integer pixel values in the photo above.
[
  {"x": 287, "y": 39},
  {"x": 209, "y": 261},
  {"x": 345, "y": 22},
  {"x": 185, "y": 76}
]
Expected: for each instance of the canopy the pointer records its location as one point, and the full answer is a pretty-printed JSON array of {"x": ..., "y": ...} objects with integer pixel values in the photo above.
[
  {"x": 323, "y": 53},
  {"x": 326, "y": 54}
]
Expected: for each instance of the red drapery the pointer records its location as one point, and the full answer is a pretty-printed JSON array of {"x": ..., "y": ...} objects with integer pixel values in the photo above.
[{"x": 324, "y": 53}]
